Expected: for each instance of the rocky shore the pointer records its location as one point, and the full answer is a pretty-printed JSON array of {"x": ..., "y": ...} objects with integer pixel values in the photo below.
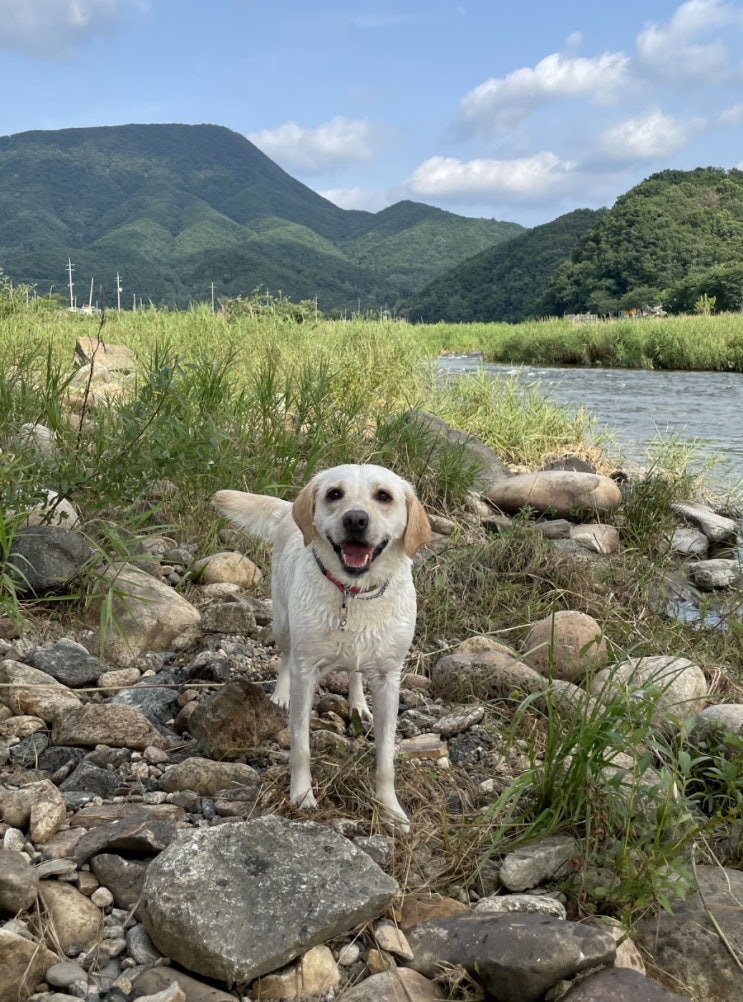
[{"x": 149, "y": 850}]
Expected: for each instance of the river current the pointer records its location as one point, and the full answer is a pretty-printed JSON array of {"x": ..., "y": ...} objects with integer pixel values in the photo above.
[{"x": 640, "y": 408}]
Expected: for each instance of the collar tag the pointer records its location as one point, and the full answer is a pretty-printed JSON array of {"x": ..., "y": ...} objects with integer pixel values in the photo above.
[{"x": 352, "y": 591}]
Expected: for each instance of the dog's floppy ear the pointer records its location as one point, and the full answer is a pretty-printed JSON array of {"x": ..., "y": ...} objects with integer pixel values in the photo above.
[
  {"x": 418, "y": 529},
  {"x": 303, "y": 511}
]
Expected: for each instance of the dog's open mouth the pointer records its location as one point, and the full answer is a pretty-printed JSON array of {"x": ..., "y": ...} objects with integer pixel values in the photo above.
[{"x": 357, "y": 557}]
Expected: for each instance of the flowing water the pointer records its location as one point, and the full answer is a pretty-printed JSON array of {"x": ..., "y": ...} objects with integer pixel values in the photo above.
[{"x": 639, "y": 407}]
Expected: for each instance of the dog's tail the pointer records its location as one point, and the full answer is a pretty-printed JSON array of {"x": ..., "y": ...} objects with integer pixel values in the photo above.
[{"x": 257, "y": 514}]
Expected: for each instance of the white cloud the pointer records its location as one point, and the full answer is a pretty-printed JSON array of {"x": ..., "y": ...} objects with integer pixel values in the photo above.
[
  {"x": 498, "y": 105},
  {"x": 528, "y": 178},
  {"x": 648, "y": 136},
  {"x": 334, "y": 144},
  {"x": 677, "y": 50},
  {"x": 57, "y": 29}
]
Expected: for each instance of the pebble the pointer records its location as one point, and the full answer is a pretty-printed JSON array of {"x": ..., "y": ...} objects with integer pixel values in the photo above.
[{"x": 66, "y": 974}]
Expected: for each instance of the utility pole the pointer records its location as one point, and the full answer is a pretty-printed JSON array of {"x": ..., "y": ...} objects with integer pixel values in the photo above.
[
  {"x": 212, "y": 297},
  {"x": 70, "y": 269},
  {"x": 119, "y": 290},
  {"x": 90, "y": 298}
]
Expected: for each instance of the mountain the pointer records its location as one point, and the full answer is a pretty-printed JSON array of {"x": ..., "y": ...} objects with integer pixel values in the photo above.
[
  {"x": 175, "y": 208},
  {"x": 505, "y": 282},
  {"x": 676, "y": 238}
]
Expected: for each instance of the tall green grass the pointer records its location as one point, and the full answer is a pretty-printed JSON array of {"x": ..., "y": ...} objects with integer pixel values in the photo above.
[{"x": 704, "y": 343}]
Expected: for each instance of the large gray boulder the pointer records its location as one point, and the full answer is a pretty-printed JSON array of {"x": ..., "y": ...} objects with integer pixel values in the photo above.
[{"x": 240, "y": 900}]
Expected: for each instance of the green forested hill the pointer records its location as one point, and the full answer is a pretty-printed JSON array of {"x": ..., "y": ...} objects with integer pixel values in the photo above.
[
  {"x": 506, "y": 282},
  {"x": 175, "y": 208},
  {"x": 672, "y": 239}
]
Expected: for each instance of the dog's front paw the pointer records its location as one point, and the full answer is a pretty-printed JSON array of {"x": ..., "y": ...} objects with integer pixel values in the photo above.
[
  {"x": 363, "y": 711},
  {"x": 280, "y": 699},
  {"x": 304, "y": 799},
  {"x": 394, "y": 816}
]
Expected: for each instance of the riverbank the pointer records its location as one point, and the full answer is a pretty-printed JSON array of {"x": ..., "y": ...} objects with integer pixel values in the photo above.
[
  {"x": 135, "y": 435},
  {"x": 694, "y": 343}
]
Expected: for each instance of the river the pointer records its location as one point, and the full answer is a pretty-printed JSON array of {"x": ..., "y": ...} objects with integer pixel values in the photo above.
[{"x": 639, "y": 407}]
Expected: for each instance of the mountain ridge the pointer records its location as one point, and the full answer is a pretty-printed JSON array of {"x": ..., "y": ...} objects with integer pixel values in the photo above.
[{"x": 174, "y": 208}]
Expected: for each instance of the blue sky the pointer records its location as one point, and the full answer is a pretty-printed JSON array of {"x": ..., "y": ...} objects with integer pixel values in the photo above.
[{"x": 516, "y": 111}]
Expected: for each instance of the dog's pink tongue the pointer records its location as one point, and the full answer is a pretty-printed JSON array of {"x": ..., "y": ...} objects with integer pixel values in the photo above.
[{"x": 356, "y": 554}]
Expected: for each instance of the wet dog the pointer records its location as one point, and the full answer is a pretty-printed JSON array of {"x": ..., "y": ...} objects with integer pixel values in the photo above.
[{"x": 343, "y": 598}]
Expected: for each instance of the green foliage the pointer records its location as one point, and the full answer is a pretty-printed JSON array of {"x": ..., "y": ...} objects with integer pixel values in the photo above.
[
  {"x": 505, "y": 282},
  {"x": 678, "y": 231},
  {"x": 709, "y": 343},
  {"x": 177, "y": 210}
]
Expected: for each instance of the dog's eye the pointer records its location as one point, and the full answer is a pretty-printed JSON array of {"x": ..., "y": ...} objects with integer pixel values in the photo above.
[
  {"x": 383, "y": 496},
  {"x": 334, "y": 494}
]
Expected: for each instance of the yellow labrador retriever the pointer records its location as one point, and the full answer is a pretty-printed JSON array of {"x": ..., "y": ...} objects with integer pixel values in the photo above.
[{"x": 343, "y": 597}]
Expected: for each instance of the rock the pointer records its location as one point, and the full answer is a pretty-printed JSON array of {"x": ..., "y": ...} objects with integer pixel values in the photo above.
[
  {"x": 535, "y": 904},
  {"x": 715, "y": 527},
  {"x": 27, "y": 690},
  {"x": 701, "y": 953},
  {"x": 620, "y": 985},
  {"x": 565, "y": 646},
  {"x": 460, "y": 719},
  {"x": 235, "y": 719},
  {"x": 595, "y": 537},
  {"x": 151, "y": 697},
  {"x": 228, "y": 617},
  {"x": 73, "y": 919},
  {"x": 560, "y": 493},
  {"x": 105, "y": 723},
  {"x": 393, "y": 986},
  {"x": 418, "y": 907},
  {"x": 112, "y": 682},
  {"x": 40, "y": 800},
  {"x": 124, "y": 877},
  {"x": 44, "y": 559},
  {"x": 208, "y": 778},
  {"x": 424, "y": 746},
  {"x": 676, "y": 686},
  {"x": 529, "y": 867},
  {"x": 48, "y": 815},
  {"x": 23, "y": 964},
  {"x": 442, "y": 440},
  {"x": 18, "y": 882},
  {"x": 516, "y": 958},
  {"x": 68, "y": 662},
  {"x": 140, "y": 831},
  {"x": 226, "y": 567},
  {"x": 115, "y": 357},
  {"x": 316, "y": 974},
  {"x": 140, "y": 946},
  {"x": 65, "y": 974},
  {"x": 53, "y": 511},
  {"x": 716, "y": 722},
  {"x": 173, "y": 993},
  {"x": 484, "y": 675},
  {"x": 712, "y": 575},
  {"x": 392, "y": 940},
  {"x": 257, "y": 867},
  {"x": 38, "y": 438},
  {"x": 627, "y": 953},
  {"x": 156, "y": 979},
  {"x": 147, "y": 615},
  {"x": 689, "y": 542}
]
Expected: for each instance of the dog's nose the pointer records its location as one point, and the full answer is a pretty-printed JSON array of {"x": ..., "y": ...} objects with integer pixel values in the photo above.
[{"x": 356, "y": 522}]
